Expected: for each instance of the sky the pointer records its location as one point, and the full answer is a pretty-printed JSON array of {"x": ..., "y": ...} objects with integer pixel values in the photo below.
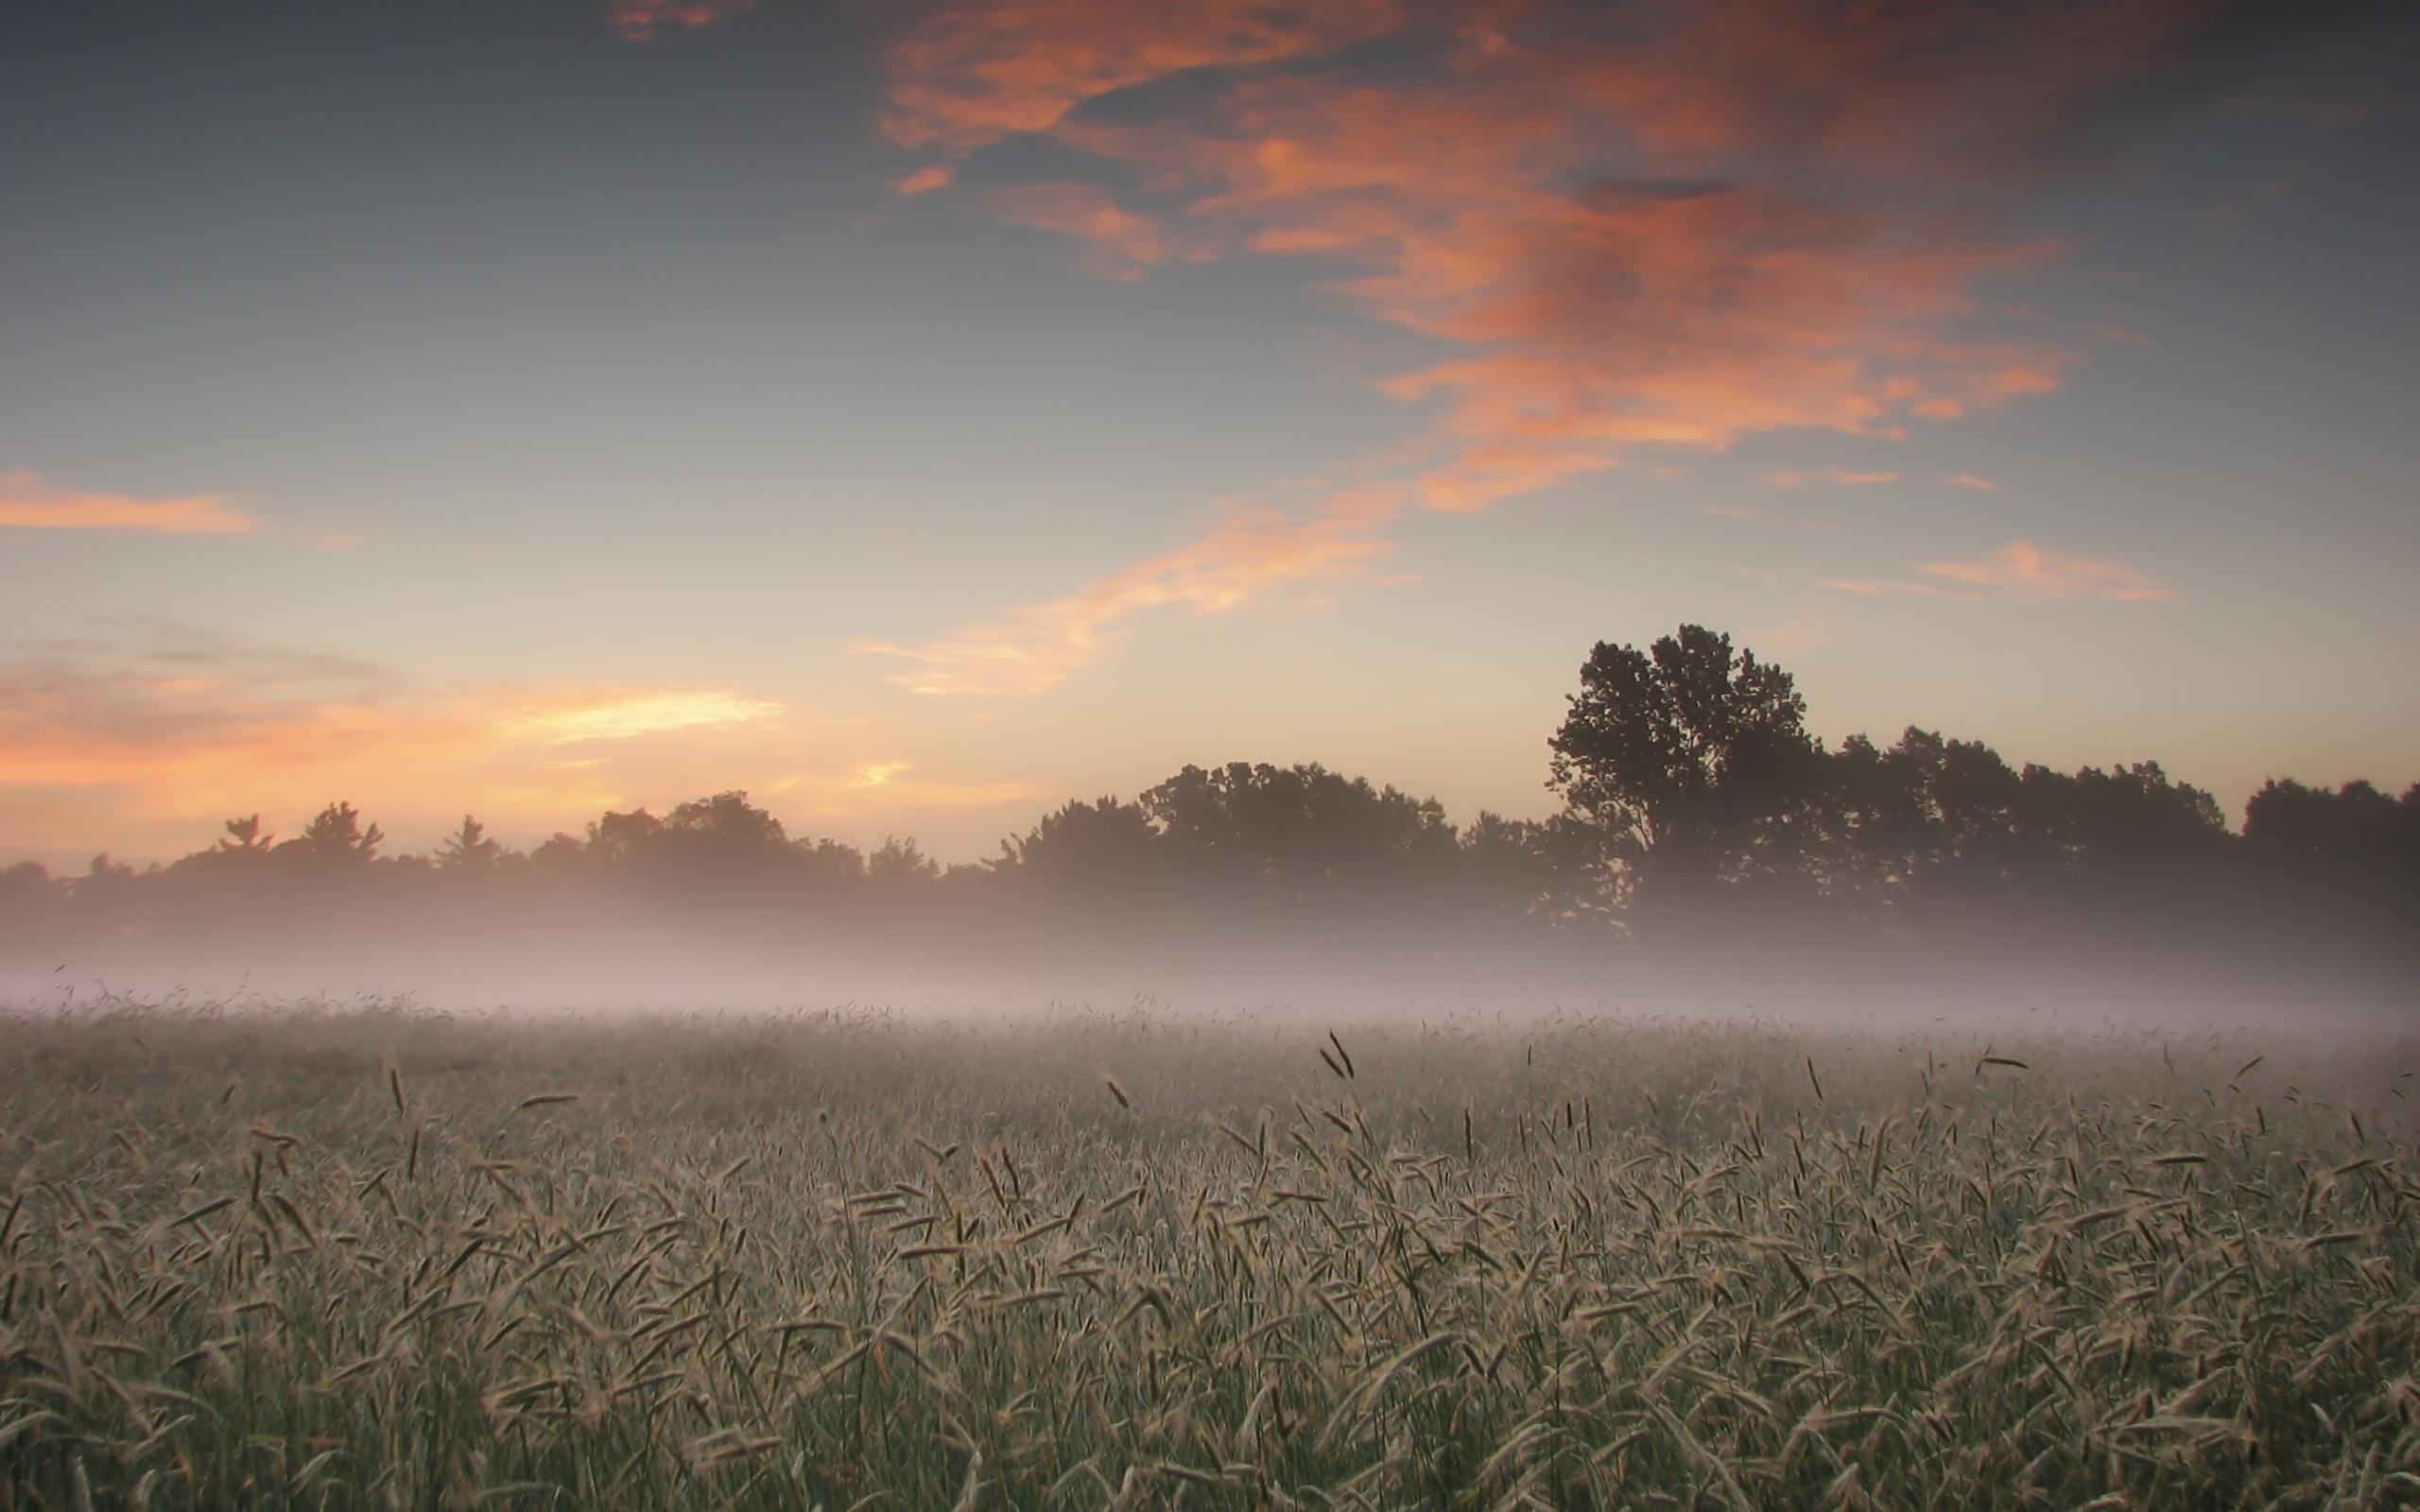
[{"x": 918, "y": 414}]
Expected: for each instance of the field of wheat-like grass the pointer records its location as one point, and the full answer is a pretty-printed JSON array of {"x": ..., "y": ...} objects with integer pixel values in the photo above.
[{"x": 372, "y": 1257}]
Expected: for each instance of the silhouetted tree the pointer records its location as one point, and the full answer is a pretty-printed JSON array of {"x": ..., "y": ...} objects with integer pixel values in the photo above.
[
  {"x": 1523, "y": 869},
  {"x": 468, "y": 847},
  {"x": 1695, "y": 801},
  {"x": 2343, "y": 865},
  {"x": 336, "y": 836},
  {"x": 617, "y": 840},
  {"x": 244, "y": 836},
  {"x": 1692, "y": 764},
  {"x": 560, "y": 854},
  {"x": 1104, "y": 845},
  {"x": 898, "y": 863},
  {"x": 1293, "y": 834}
]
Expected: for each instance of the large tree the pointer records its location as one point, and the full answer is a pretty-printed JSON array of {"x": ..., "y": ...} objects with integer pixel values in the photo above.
[{"x": 1691, "y": 763}]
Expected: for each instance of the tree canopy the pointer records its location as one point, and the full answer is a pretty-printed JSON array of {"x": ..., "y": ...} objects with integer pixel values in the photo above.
[{"x": 1696, "y": 807}]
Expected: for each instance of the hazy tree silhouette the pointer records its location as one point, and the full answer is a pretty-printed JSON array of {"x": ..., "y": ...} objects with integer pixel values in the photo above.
[
  {"x": 2354, "y": 828},
  {"x": 468, "y": 847},
  {"x": 898, "y": 864},
  {"x": 336, "y": 837},
  {"x": 1945, "y": 837},
  {"x": 2342, "y": 864},
  {"x": 1303, "y": 843},
  {"x": 1105, "y": 847},
  {"x": 245, "y": 836},
  {"x": 1691, "y": 763},
  {"x": 1696, "y": 807}
]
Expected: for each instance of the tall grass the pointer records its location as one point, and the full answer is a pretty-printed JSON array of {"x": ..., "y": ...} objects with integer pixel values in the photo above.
[{"x": 375, "y": 1258}]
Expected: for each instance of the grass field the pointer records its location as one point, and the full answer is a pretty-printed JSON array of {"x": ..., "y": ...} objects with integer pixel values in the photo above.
[{"x": 371, "y": 1257}]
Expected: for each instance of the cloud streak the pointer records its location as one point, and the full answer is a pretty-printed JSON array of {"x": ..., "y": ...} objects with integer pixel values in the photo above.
[
  {"x": 1121, "y": 243},
  {"x": 643, "y": 20},
  {"x": 969, "y": 74},
  {"x": 1838, "y": 476},
  {"x": 571, "y": 718},
  {"x": 2019, "y": 571},
  {"x": 894, "y": 786},
  {"x": 28, "y": 503},
  {"x": 1039, "y": 645},
  {"x": 1653, "y": 228},
  {"x": 186, "y": 724}
]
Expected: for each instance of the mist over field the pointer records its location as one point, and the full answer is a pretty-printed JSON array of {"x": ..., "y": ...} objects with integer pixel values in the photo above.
[
  {"x": 1712, "y": 854},
  {"x": 1241, "y": 756},
  {"x": 366, "y": 1253}
]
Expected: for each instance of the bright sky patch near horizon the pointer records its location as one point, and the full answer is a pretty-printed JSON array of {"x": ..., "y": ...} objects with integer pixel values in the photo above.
[{"x": 916, "y": 415}]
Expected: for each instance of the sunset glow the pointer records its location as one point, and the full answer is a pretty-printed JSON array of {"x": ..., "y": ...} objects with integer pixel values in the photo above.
[{"x": 918, "y": 415}]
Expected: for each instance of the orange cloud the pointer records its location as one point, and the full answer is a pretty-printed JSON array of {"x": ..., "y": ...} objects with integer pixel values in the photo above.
[
  {"x": 2020, "y": 571},
  {"x": 1839, "y": 476},
  {"x": 892, "y": 787},
  {"x": 924, "y": 181},
  {"x": 1663, "y": 227},
  {"x": 878, "y": 774},
  {"x": 1122, "y": 242},
  {"x": 972, "y": 74},
  {"x": 1968, "y": 480},
  {"x": 1749, "y": 515},
  {"x": 177, "y": 724},
  {"x": 28, "y": 503},
  {"x": 574, "y": 718},
  {"x": 1039, "y": 645},
  {"x": 640, "y": 19}
]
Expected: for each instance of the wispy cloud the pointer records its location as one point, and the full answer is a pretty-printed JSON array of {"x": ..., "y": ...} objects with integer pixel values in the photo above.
[
  {"x": 185, "y": 724},
  {"x": 1121, "y": 243},
  {"x": 969, "y": 74},
  {"x": 1669, "y": 228},
  {"x": 1750, "y": 514},
  {"x": 1037, "y": 647},
  {"x": 1969, "y": 480},
  {"x": 572, "y": 717},
  {"x": 2020, "y": 571},
  {"x": 1840, "y": 477},
  {"x": 642, "y": 20},
  {"x": 894, "y": 786},
  {"x": 925, "y": 181},
  {"x": 28, "y": 503}
]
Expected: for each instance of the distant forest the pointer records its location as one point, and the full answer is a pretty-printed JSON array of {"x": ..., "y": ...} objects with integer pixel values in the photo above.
[{"x": 1700, "y": 818}]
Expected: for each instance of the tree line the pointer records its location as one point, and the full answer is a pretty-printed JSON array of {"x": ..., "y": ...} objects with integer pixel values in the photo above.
[{"x": 1699, "y": 815}]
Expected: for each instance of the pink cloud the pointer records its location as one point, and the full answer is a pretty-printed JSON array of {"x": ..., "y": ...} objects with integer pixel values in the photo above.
[
  {"x": 1039, "y": 645},
  {"x": 187, "y": 724},
  {"x": 1840, "y": 476},
  {"x": 29, "y": 504},
  {"x": 1969, "y": 480},
  {"x": 2020, "y": 572},
  {"x": 968, "y": 74},
  {"x": 1665, "y": 229},
  {"x": 1121, "y": 243},
  {"x": 640, "y": 19},
  {"x": 1747, "y": 514},
  {"x": 925, "y": 181}
]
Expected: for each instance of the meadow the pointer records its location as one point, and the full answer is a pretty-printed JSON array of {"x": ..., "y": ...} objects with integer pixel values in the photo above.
[{"x": 366, "y": 1255}]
